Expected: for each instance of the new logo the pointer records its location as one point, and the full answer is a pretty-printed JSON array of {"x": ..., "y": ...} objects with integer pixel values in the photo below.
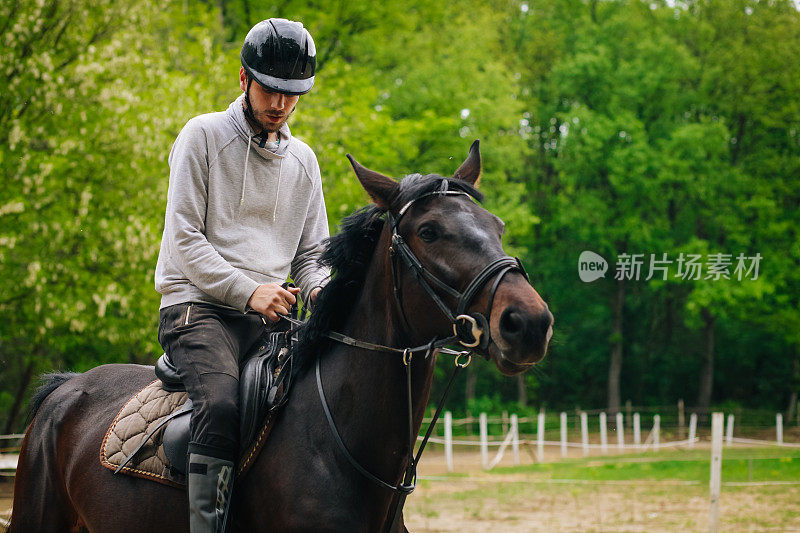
[{"x": 591, "y": 266}]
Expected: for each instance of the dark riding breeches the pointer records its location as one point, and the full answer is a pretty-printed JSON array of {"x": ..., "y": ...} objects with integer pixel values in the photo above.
[{"x": 206, "y": 344}]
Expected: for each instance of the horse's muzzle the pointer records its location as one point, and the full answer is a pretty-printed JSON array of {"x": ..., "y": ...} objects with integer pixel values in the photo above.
[
  {"x": 523, "y": 328},
  {"x": 523, "y": 331}
]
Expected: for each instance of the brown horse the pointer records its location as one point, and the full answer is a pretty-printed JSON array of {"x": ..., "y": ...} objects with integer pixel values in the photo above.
[{"x": 302, "y": 479}]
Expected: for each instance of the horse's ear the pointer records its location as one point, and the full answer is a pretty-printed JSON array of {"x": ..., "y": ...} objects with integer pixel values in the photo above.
[
  {"x": 470, "y": 170},
  {"x": 382, "y": 189}
]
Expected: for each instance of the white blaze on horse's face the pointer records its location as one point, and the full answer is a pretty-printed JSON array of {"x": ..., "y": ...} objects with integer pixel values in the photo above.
[{"x": 455, "y": 239}]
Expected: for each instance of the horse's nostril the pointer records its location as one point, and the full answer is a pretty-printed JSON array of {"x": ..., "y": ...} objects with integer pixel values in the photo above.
[
  {"x": 511, "y": 323},
  {"x": 521, "y": 328}
]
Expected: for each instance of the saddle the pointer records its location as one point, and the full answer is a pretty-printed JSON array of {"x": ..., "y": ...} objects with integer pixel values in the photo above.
[
  {"x": 260, "y": 379},
  {"x": 150, "y": 436}
]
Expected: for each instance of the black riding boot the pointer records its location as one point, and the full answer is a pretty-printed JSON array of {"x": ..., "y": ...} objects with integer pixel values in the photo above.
[{"x": 210, "y": 482}]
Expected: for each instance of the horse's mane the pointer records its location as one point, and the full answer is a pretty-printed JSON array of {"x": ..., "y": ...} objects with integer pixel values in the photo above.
[{"x": 348, "y": 254}]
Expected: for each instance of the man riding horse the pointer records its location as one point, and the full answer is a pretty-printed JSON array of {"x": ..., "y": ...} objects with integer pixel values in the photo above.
[{"x": 244, "y": 210}]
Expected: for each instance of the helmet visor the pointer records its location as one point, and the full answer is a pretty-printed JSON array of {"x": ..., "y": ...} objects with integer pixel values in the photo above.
[{"x": 281, "y": 85}]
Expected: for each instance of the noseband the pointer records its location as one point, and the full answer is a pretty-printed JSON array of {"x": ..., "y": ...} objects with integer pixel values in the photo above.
[{"x": 470, "y": 330}]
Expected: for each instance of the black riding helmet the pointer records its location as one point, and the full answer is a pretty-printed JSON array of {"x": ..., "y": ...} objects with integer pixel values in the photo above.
[{"x": 280, "y": 55}]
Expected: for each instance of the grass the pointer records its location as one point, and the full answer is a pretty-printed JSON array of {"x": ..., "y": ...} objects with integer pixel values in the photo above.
[
  {"x": 738, "y": 465},
  {"x": 653, "y": 492}
]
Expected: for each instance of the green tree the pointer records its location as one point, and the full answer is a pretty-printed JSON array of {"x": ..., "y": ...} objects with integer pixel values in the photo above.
[{"x": 89, "y": 108}]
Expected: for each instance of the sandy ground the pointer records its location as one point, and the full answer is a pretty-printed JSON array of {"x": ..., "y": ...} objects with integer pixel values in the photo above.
[
  {"x": 526, "y": 502},
  {"x": 6, "y": 490},
  {"x": 518, "y": 504},
  {"x": 477, "y": 501}
]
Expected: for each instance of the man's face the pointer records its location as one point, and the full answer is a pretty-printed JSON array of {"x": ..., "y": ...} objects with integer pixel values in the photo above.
[{"x": 271, "y": 109}]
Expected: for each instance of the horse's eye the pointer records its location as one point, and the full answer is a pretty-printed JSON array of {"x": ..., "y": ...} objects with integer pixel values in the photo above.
[{"x": 428, "y": 233}]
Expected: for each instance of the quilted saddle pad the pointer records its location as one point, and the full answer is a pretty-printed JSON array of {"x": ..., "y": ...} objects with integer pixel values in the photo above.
[{"x": 136, "y": 419}]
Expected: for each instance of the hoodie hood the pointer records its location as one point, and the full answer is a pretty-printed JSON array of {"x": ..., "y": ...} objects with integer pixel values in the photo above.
[
  {"x": 235, "y": 113},
  {"x": 244, "y": 130}
]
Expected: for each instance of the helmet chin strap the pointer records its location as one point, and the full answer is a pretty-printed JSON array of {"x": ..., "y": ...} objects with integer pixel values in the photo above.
[
  {"x": 263, "y": 136},
  {"x": 248, "y": 107},
  {"x": 248, "y": 112}
]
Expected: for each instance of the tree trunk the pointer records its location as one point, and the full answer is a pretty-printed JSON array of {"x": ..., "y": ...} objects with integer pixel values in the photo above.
[
  {"x": 522, "y": 391},
  {"x": 16, "y": 407},
  {"x": 707, "y": 373},
  {"x": 615, "y": 365},
  {"x": 247, "y": 17},
  {"x": 221, "y": 14},
  {"x": 790, "y": 409}
]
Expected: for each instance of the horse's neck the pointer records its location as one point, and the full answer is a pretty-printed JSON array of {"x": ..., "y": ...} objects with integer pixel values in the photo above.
[{"x": 376, "y": 382}]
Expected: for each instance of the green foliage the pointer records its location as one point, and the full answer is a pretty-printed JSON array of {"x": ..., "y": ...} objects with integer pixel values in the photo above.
[
  {"x": 90, "y": 112},
  {"x": 610, "y": 126},
  {"x": 642, "y": 141}
]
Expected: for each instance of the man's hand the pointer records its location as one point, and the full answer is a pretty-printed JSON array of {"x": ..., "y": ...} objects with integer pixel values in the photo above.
[
  {"x": 271, "y": 299},
  {"x": 314, "y": 293}
]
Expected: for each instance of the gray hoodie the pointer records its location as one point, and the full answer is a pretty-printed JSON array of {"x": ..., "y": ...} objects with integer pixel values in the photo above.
[{"x": 239, "y": 215}]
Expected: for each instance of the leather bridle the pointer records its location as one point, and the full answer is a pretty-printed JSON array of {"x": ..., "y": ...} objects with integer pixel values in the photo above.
[{"x": 470, "y": 330}]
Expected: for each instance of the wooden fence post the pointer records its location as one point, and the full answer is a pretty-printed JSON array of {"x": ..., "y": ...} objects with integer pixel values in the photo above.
[
  {"x": 603, "y": 434},
  {"x": 692, "y": 429},
  {"x": 717, "y": 421},
  {"x": 620, "y": 432},
  {"x": 656, "y": 432},
  {"x": 540, "y": 436},
  {"x": 779, "y": 428},
  {"x": 681, "y": 421},
  {"x": 729, "y": 431},
  {"x": 448, "y": 440},
  {"x": 637, "y": 431},
  {"x": 563, "y": 434},
  {"x": 484, "y": 441},
  {"x": 585, "y": 433},
  {"x": 515, "y": 438}
]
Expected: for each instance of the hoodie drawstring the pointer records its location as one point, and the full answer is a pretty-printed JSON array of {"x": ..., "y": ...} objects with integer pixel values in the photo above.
[
  {"x": 244, "y": 181},
  {"x": 277, "y": 192},
  {"x": 244, "y": 178}
]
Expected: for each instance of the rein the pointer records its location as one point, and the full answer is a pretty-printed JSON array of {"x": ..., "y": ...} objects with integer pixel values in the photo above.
[
  {"x": 469, "y": 330},
  {"x": 408, "y": 484}
]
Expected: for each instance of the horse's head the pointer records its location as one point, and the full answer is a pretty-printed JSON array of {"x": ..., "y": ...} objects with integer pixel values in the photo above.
[{"x": 449, "y": 267}]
